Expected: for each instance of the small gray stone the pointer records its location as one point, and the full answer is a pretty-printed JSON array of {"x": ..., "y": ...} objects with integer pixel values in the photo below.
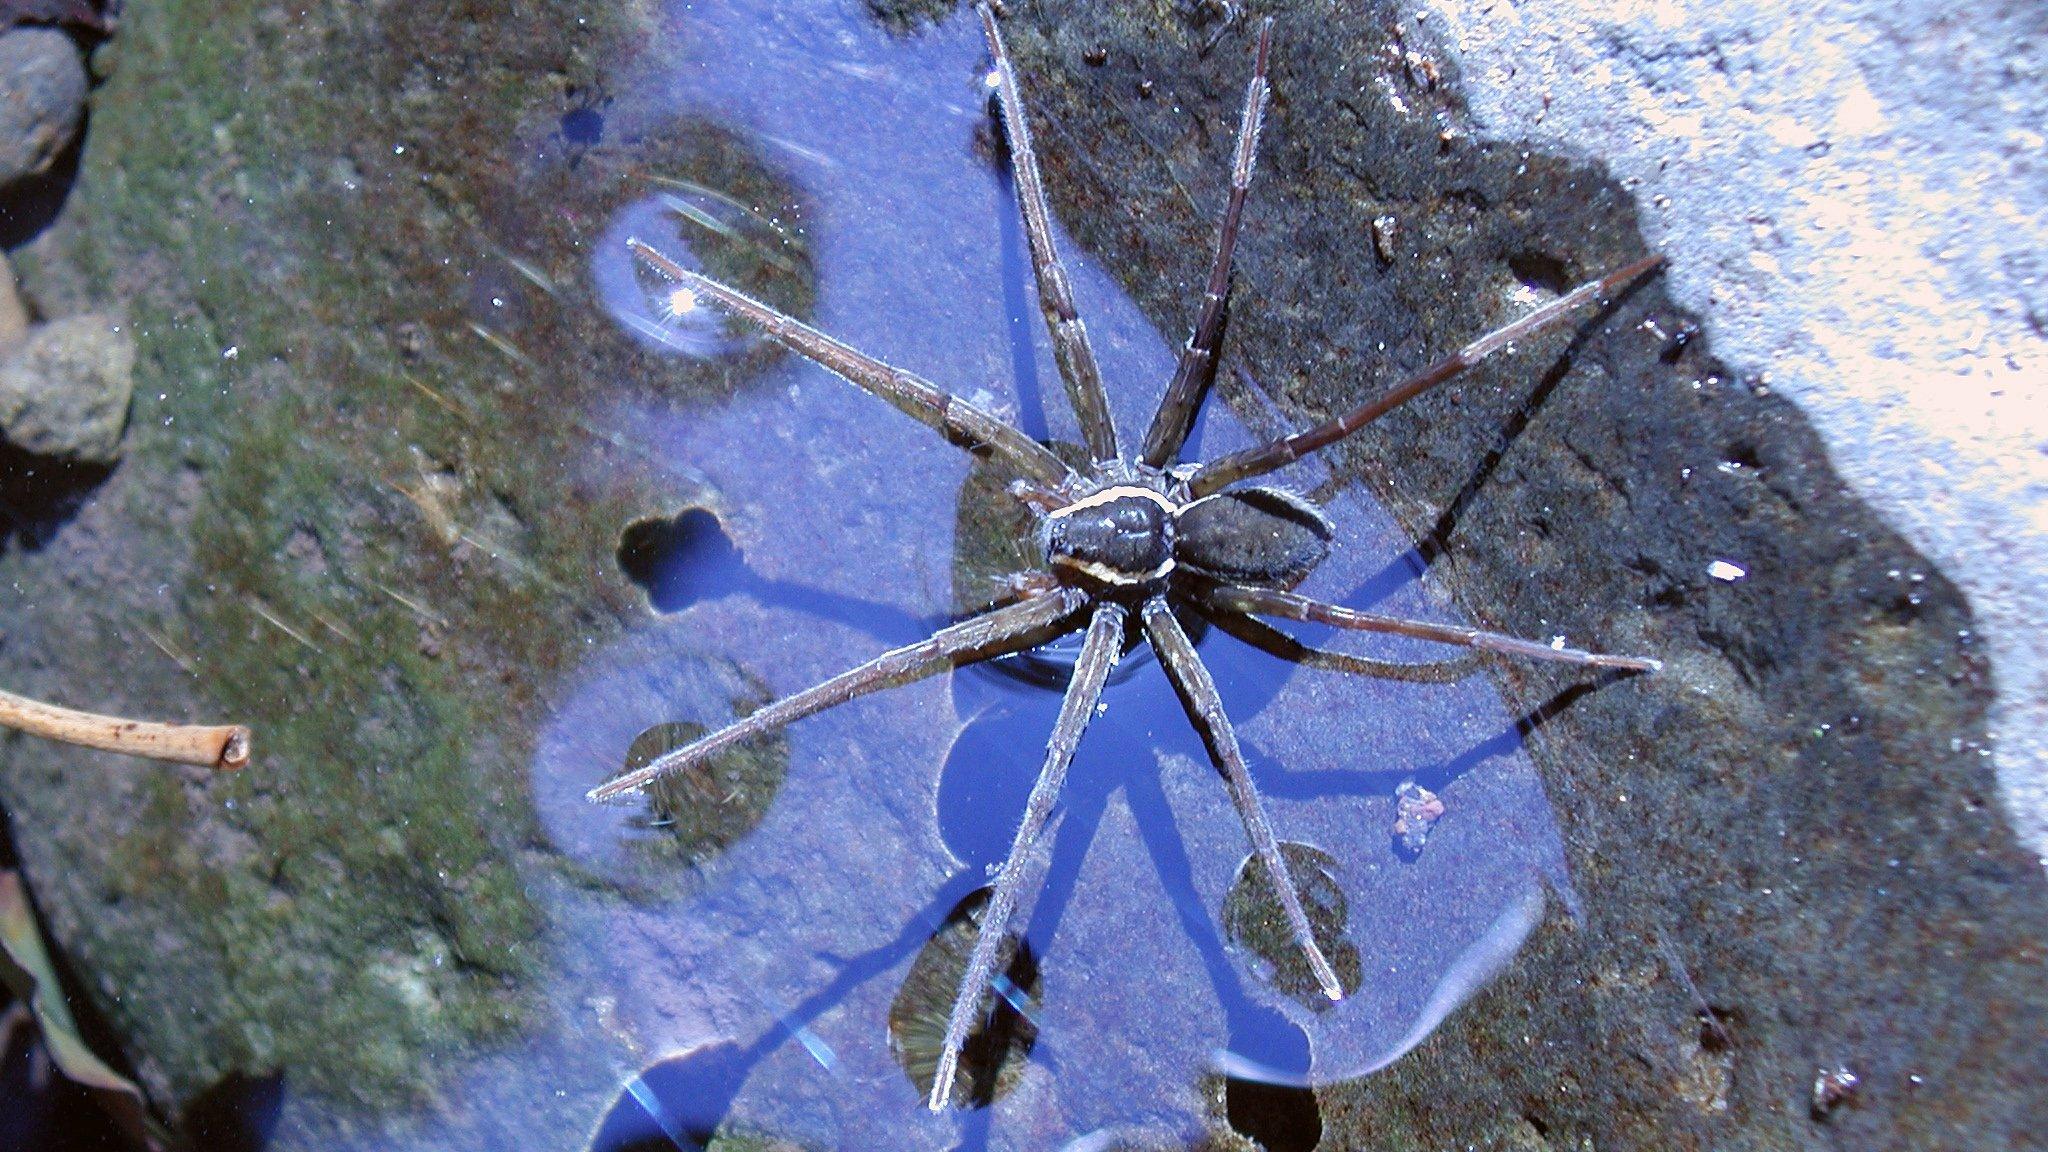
[
  {"x": 42, "y": 99},
  {"x": 64, "y": 391},
  {"x": 13, "y": 309}
]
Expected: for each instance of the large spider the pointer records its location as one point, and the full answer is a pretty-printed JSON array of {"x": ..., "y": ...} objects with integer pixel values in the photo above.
[{"x": 1121, "y": 537}]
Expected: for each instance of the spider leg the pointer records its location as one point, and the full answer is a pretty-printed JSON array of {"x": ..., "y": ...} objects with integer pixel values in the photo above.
[
  {"x": 959, "y": 421},
  {"x": 1070, "y": 345},
  {"x": 1224, "y": 471},
  {"x": 1197, "y": 365},
  {"x": 1273, "y": 642},
  {"x": 1287, "y": 605},
  {"x": 1205, "y": 709},
  {"x": 1099, "y": 653},
  {"x": 1008, "y": 629}
]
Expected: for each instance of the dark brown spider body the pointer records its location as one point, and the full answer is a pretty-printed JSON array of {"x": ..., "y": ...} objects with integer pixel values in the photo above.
[
  {"x": 1267, "y": 537},
  {"x": 1132, "y": 538},
  {"x": 1120, "y": 539},
  {"x": 1127, "y": 544}
]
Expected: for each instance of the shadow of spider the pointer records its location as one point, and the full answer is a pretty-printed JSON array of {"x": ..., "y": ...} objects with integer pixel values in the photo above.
[{"x": 1123, "y": 539}]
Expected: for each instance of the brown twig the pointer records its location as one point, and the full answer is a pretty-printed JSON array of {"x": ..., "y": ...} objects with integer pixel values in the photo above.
[{"x": 225, "y": 746}]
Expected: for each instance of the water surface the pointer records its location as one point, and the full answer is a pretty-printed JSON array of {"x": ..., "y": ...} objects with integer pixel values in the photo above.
[{"x": 760, "y": 998}]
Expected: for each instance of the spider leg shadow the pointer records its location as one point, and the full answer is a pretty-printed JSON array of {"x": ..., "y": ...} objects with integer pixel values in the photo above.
[
  {"x": 1516, "y": 735},
  {"x": 1301, "y": 785},
  {"x": 1251, "y": 1026},
  {"x": 978, "y": 805},
  {"x": 1505, "y": 743},
  {"x": 1434, "y": 541},
  {"x": 1305, "y": 784},
  {"x": 680, "y": 1102}
]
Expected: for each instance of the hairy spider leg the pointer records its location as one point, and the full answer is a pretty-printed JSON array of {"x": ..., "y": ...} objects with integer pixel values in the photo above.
[
  {"x": 1224, "y": 471},
  {"x": 1197, "y": 367},
  {"x": 1070, "y": 345},
  {"x": 1011, "y": 628},
  {"x": 1099, "y": 653},
  {"x": 1291, "y": 606},
  {"x": 1278, "y": 644},
  {"x": 956, "y": 419},
  {"x": 1205, "y": 710}
]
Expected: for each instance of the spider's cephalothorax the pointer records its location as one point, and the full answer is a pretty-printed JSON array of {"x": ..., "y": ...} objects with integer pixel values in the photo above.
[
  {"x": 1122, "y": 538},
  {"x": 1118, "y": 539}
]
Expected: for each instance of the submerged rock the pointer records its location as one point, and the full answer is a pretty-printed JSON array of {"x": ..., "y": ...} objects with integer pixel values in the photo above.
[{"x": 64, "y": 391}]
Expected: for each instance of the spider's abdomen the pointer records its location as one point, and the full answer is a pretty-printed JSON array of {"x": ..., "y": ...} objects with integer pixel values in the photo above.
[
  {"x": 1264, "y": 536},
  {"x": 1120, "y": 536}
]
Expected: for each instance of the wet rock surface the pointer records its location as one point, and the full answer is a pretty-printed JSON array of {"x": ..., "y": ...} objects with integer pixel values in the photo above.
[
  {"x": 356, "y": 333},
  {"x": 361, "y": 511},
  {"x": 1787, "y": 844},
  {"x": 1884, "y": 161}
]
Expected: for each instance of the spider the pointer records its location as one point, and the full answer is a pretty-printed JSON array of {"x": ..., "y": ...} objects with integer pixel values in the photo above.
[{"x": 1124, "y": 539}]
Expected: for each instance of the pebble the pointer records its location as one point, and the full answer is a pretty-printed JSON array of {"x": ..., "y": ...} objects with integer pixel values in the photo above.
[
  {"x": 13, "y": 311},
  {"x": 64, "y": 390},
  {"x": 1416, "y": 811},
  {"x": 42, "y": 100}
]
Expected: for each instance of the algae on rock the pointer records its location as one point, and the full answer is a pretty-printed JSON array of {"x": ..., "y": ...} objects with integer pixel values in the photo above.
[{"x": 351, "y": 245}]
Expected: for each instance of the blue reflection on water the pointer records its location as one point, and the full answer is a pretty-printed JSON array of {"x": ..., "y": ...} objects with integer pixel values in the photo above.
[
  {"x": 840, "y": 514},
  {"x": 653, "y": 319}
]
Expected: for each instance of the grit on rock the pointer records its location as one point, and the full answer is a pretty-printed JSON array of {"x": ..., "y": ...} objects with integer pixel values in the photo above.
[{"x": 1856, "y": 200}]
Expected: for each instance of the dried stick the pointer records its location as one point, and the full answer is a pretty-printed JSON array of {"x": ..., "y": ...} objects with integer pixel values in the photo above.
[{"x": 225, "y": 746}]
